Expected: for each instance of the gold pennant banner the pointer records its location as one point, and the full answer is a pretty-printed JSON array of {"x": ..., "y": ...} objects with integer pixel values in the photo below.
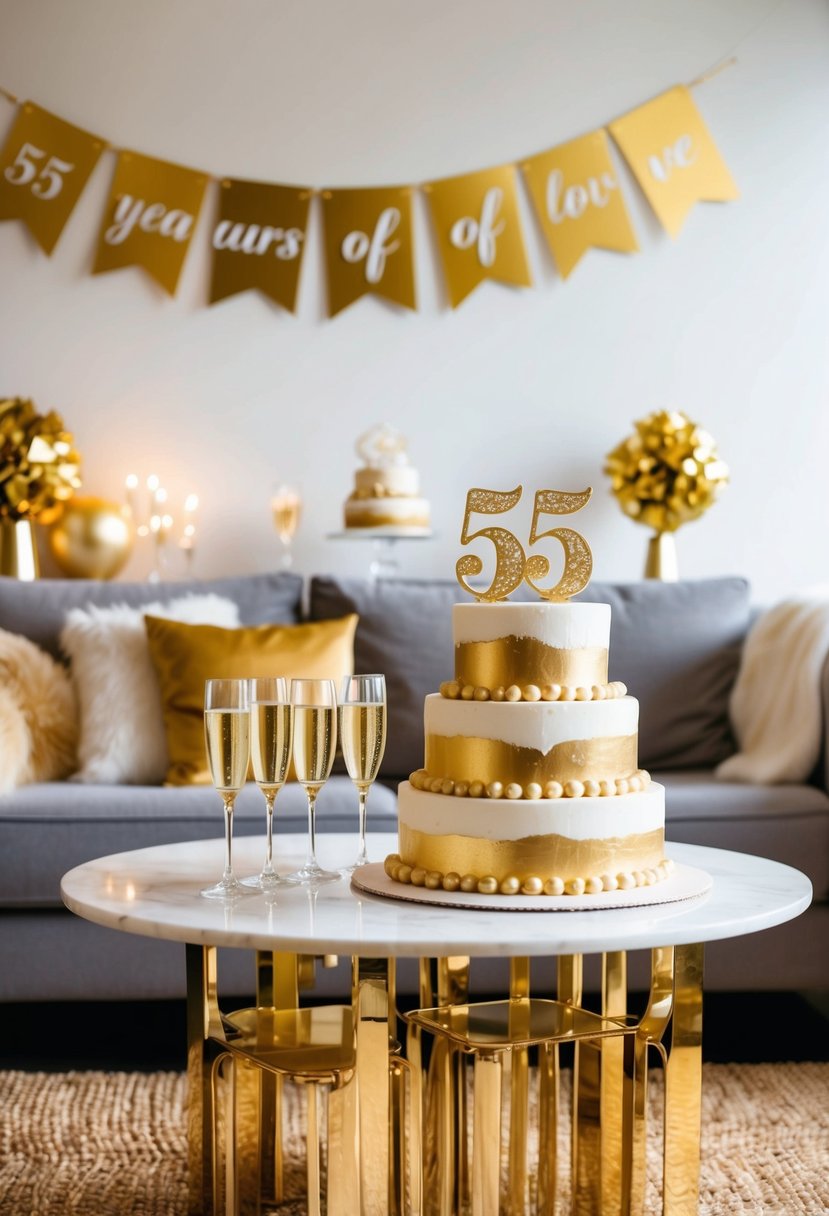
[
  {"x": 575, "y": 191},
  {"x": 479, "y": 230},
  {"x": 259, "y": 238},
  {"x": 369, "y": 247},
  {"x": 258, "y": 241},
  {"x": 44, "y": 166},
  {"x": 150, "y": 217},
  {"x": 673, "y": 157}
]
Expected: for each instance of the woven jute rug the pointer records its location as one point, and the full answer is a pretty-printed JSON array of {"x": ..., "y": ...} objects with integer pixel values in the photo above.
[{"x": 111, "y": 1144}]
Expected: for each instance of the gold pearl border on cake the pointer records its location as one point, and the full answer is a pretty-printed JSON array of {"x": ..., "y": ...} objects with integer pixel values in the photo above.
[
  {"x": 433, "y": 880},
  {"x": 634, "y": 784},
  {"x": 454, "y": 690}
]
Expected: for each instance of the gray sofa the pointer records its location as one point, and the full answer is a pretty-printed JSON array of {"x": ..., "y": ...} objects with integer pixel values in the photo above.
[{"x": 676, "y": 646}]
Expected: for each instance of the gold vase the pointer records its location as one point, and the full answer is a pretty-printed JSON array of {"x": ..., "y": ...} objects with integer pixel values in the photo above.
[
  {"x": 661, "y": 561},
  {"x": 18, "y": 550}
]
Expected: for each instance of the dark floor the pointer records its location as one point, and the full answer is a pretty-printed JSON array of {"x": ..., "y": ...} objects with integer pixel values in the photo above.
[{"x": 147, "y": 1035}]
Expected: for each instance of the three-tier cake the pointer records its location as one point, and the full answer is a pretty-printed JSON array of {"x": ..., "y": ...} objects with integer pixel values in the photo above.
[{"x": 531, "y": 782}]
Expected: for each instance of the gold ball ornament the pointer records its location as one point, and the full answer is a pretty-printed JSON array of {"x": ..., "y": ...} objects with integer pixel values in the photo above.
[
  {"x": 667, "y": 473},
  {"x": 92, "y": 538}
]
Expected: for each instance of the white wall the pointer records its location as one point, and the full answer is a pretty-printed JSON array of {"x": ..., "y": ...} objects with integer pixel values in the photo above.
[{"x": 729, "y": 322}]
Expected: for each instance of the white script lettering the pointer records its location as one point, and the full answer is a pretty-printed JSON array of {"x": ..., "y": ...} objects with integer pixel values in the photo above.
[
  {"x": 678, "y": 156},
  {"x": 375, "y": 249},
  {"x": 482, "y": 233},
  {"x": 133, "y": 213},
  {"x": 573, "y": 202},
  {"x": 257, "y": 239}
]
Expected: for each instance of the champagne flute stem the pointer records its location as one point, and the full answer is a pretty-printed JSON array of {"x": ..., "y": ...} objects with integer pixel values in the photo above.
[
  {"x": 312, "y": 826},
  {"x": 269, "y": 801},
  {"x": 228, "y": 800},
  {"x": 362, "y": 856}
]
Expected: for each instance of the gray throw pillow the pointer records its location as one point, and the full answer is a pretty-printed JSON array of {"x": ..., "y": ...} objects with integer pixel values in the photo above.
[
  {"x": 677, "y": 647},
  {"x": 38, "y": 610},
  {"x": 404, "y": 633}
]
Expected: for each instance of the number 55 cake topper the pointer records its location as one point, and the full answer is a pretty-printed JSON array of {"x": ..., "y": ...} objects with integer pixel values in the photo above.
[{"x": 512, "y": 565}]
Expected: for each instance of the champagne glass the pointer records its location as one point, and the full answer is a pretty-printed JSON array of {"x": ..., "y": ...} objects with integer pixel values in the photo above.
[
  {"x": 363, "y": 739},
  {"x": 271, "y": 722},
  {"x": 286, "y": 504},
  {"x": 315, "y": 741},
  {"x": 227, "y": 736}
]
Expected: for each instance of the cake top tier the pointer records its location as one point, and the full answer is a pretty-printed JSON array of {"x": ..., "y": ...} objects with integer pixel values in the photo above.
[{"x": 566, "y": 626}]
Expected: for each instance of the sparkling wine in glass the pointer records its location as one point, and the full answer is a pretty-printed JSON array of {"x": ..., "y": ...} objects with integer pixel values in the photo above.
[
  {"x": 271, "y": 726},
  {"x": 227, "y": 738},
  {"x": 286, "y": 506},
  {"x": 363, "y": 740},
  {"x": 315, "y": 741}
]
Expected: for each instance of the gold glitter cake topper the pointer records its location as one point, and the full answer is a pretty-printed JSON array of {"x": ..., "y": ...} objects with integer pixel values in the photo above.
[{"x": 512, "y": 565}]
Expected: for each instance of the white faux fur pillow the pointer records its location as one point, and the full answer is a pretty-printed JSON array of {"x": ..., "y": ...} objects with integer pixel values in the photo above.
[
  {"x": 38, "y": 715},
  {"x": 122, "y": 731}
]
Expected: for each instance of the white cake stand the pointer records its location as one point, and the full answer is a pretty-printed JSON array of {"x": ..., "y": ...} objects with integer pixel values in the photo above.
[{"x": 385, "y": 562}]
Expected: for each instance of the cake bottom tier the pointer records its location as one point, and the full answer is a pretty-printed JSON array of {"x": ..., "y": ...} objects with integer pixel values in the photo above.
[{"x": 559, "y": 846}]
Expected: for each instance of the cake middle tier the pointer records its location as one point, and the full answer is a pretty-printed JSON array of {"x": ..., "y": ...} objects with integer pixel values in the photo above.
[{"x": 531, "y": 742}]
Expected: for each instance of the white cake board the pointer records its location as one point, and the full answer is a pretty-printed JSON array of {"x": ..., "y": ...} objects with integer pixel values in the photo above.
[{"x": 686, "y": 882}]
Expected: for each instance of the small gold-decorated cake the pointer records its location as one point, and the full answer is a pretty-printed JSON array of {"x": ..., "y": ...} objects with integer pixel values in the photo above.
[
  {"x": 386, "y": 493},
  {"x": 531, "y": 782}
]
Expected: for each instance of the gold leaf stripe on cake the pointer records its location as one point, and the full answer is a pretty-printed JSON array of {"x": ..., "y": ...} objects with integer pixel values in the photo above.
[
  {"x": 375, "y": 519},
  {"x": 522, "y": 661},
  {"x": 469, "y": 758},
  {"x": 543, "y": 856}
]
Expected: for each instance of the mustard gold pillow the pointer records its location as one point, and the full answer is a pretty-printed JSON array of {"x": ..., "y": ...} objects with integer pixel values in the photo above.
[{"x": 184, "y": 656}]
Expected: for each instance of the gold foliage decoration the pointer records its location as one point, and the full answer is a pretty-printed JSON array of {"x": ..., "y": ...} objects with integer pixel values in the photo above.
[
  {"x": 667, "y": 472},
  {"x": 39, "y": 467}
]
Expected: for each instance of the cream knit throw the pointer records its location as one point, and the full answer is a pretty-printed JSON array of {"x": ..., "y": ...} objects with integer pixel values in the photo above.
[{"x": 776, "y": 706}]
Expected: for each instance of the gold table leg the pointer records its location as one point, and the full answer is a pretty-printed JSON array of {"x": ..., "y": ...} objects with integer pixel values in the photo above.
[
  {"x": 203, "y": 1020},
  {"x": 374, "y": 1011},
  {"x": 614, "y": 1130},
  {"x": 486, "y": 1135},
  {"x": 683, "y": 1086},
  {"x": 519, "y": 1060}
]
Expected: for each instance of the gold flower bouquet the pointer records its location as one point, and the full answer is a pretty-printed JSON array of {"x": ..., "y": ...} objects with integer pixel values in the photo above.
[
  {"x": 666, "y": 473},
  {"x": 39, "y": 472}
]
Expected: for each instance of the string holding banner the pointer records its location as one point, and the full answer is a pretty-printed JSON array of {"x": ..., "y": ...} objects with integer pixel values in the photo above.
[{"x": 259, "y": 239}]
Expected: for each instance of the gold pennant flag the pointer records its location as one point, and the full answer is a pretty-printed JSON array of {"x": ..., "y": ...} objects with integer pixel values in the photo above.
[
  {"x": 150, "y": 216},
  {"x": 575, "y": 191},
  {"x": 673, "y": 157},
  {"x": 259, "y": 240},
  {"x": 479, "y": 231},
  {"x": 369, "y": 246},
  {"x": 44, "y": 166}
]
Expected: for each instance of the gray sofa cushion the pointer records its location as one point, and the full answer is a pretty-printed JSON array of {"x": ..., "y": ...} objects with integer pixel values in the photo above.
[
  {"x": 38, "y": 610},
  {"x": 404, "y": 632},
  {"x": 789, "y": 823},
  {"x": 677, "y": 646},
  {"x": 45, "y": 830}
]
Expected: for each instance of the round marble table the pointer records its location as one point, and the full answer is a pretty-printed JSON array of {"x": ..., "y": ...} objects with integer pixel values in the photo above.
[{"x": 156, "y": 892}]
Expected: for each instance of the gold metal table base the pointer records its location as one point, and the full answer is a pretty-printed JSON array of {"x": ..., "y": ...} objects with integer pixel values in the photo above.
[{"x": 398, "y": 1123}]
